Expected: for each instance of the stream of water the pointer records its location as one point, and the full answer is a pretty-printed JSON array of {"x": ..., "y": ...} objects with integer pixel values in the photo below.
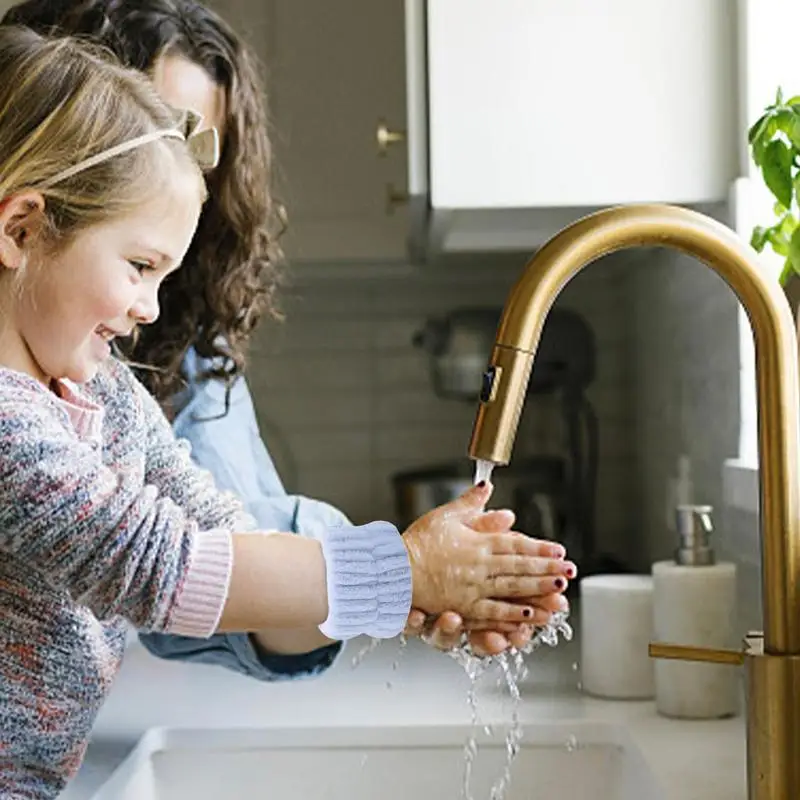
[{"x": 512, "y": 668}]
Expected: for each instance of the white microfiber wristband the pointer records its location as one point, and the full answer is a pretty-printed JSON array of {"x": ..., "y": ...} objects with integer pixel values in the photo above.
[{"x": 369, "y": 581}]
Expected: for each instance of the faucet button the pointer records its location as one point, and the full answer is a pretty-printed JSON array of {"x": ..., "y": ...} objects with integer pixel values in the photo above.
[{"x": 487, "y": 385}]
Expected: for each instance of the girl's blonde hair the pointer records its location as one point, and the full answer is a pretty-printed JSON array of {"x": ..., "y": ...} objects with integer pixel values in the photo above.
[{"x": 63, "y": 101}]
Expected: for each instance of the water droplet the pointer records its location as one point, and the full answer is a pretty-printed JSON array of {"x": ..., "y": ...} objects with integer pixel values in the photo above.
[
  {"x": 400, "y": 650},
  {"x": 364, "y": 652},
  {"x": 572, "y": 743}
]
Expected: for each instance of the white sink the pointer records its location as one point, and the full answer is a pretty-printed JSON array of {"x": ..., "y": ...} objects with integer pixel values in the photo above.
[{"x": 579, "y": 761}]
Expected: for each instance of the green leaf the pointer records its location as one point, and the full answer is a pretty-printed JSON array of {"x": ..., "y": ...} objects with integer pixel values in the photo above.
[
  {"x": 780, "y": 244},
  {"x": 759, "y": 136},
  {"x": 776, "y": 236},
  {"x": 787, "y": 226},
  {"x": 794, "y": 250},
  {"x": 759, "y": 238},
  {"x": 786, "y": 120},
  {"x": 759, "y": 147},
  {"x": 797, "y": 188},
  {"x": 776, "y": 168},
  {"x": 758, "y": 128},
  {"x": 782, "y": 119},
  {"x": 786, "y": 273},
  {"x": 793, "y": 101},
  {"x": 794, "y": 129}
]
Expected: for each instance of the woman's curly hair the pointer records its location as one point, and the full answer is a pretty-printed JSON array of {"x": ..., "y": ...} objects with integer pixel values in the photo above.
[{"x": 230, "y": 273}]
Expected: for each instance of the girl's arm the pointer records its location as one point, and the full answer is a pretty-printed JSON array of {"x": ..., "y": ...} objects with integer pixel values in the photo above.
[
  {"x": 278, "y": 580},
  {"x": 223, "y": 432},
  {"x": 117, "y": 545}
]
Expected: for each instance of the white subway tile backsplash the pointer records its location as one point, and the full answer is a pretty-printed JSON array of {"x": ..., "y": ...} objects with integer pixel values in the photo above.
[
  {"x": 314, "y": 372},
  {"x": 419, "y": 445},
  {"x": 353, "y": 402},
  {"x": 396, "y": 369},
  {"x": 330, "y": 446},
  {"x": 342, "y": 409},
  {"x": 326, "y": 334},
  {"x": 396, "y": 332},
  {"x": 409, "y": 406}
]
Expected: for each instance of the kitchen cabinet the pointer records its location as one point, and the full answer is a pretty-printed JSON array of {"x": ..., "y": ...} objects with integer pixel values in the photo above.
[
  {"x": 521, "y": 115},
  {"x": 334, "y": 69},
  {"x": 530, "y": 110}
]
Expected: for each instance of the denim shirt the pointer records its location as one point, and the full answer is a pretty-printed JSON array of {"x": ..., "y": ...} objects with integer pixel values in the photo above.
[{"x": 231, "y": 448}]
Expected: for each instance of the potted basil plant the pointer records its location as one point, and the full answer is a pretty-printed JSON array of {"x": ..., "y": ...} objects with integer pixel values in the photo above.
[{"x": 775, "y": 147}]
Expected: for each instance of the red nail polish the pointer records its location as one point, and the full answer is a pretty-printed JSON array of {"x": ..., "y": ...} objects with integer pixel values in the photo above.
[
  {"x": 559, "y": 583},
  {"x": 481, "y": 484},
  {"x": 526, "y": 612},
  {"x": 570, "y": 572}
]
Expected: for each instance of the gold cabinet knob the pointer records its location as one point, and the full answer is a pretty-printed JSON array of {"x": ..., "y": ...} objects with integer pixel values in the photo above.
[
  {"x": 386, "y": 137},
  {"x": 394, "y": 198}
]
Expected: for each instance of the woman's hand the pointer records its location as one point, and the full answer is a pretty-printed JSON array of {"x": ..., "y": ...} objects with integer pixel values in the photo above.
[{"x": 445, "y": 630}]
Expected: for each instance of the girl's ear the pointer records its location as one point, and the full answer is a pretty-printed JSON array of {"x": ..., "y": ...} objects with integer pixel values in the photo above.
[{"x": 21, "y": 218}]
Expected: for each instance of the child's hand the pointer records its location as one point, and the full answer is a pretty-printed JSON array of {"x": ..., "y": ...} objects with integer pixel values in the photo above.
[
  {"x": 470, "y": 562},
  {"x": 489, "y": 638}
]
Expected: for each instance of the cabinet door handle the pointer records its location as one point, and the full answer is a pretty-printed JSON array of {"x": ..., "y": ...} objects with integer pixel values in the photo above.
[{"x": 385, "y": 137}]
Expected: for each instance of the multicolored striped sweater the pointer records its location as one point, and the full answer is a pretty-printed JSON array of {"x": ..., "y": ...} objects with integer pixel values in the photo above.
[{"x": 103, "y": 518}]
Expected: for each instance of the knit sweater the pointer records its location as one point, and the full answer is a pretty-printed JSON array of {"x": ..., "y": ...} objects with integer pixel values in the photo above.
[{"x": 103, "y": 518}]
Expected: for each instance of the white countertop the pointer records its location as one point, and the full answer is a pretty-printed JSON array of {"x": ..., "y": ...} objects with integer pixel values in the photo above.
[{"x": 693, "y": 760}]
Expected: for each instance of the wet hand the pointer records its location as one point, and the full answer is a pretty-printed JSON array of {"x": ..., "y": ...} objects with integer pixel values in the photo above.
[
  {"x": 445, "y": 631},
  {"x": 469, "y": 561}
]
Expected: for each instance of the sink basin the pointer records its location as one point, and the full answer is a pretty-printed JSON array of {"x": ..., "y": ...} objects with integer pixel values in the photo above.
[{"x": 580, "y": 760}]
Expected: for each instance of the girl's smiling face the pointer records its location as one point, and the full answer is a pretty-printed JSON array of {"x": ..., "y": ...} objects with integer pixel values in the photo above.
[{"x": 63, "y": 307}]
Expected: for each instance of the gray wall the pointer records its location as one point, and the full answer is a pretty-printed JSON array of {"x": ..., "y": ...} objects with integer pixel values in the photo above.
[{"x": 684, "y": 346}]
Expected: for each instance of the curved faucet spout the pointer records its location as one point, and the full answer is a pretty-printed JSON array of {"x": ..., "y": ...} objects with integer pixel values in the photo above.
[{"x": 521, "y": 326}]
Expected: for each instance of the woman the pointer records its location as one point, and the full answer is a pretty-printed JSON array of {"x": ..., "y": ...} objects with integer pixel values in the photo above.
[{"x": 193, "y": 357}]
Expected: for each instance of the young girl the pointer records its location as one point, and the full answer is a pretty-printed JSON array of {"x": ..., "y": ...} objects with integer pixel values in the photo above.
[
  {"x": 103, "y": 517},
  {"x": 210, "y": 308}
]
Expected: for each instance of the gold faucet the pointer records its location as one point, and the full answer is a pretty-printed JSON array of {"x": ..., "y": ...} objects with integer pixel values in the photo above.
[{"x": 772, "y": 659}]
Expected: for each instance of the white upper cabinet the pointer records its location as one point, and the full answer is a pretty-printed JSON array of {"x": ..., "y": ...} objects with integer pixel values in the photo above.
[
  {"x": 564, "y": 104},
  {"x": 521, "y": 115}
]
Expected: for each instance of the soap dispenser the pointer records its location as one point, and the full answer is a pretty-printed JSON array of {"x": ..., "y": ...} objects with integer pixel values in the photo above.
[{"x": 694, "y": 602}]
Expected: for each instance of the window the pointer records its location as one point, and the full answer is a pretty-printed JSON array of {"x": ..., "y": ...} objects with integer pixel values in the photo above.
[{"x": 768, "y": 33}]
